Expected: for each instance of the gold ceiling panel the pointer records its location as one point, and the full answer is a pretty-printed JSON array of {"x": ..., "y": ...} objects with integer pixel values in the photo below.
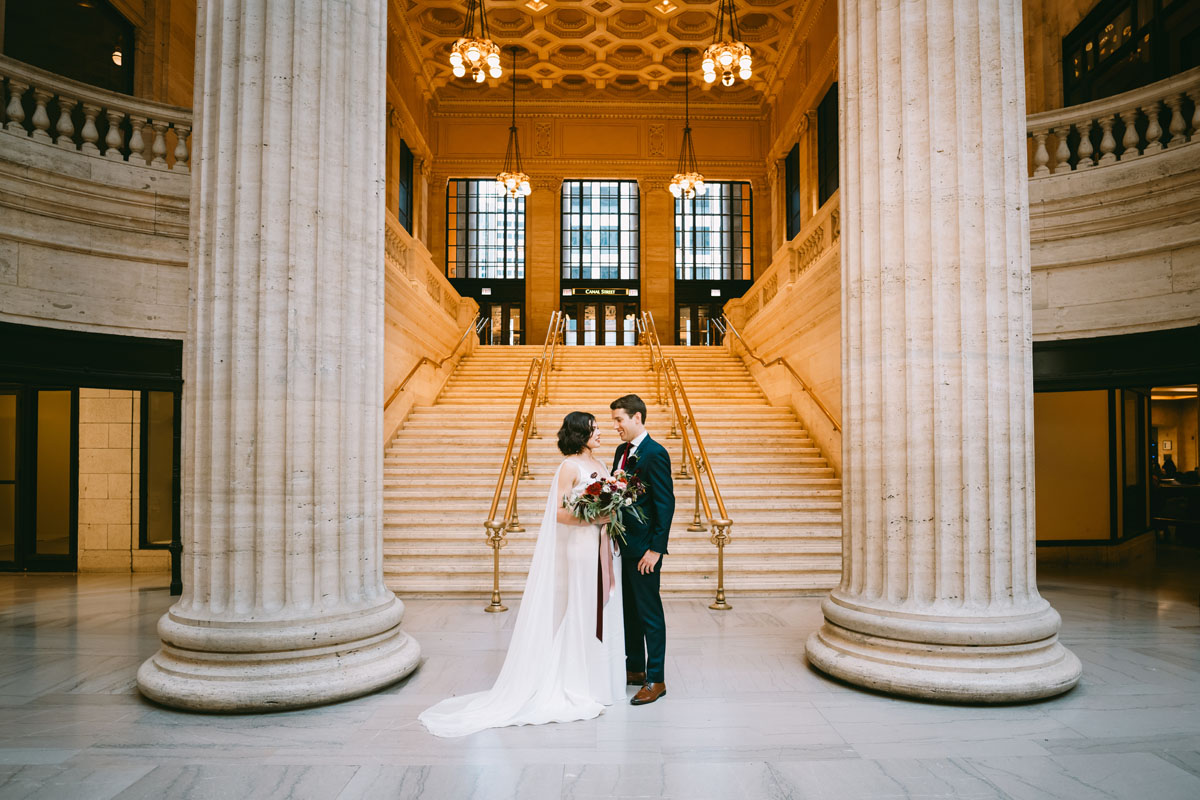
[{"x": 600, "y": 49}]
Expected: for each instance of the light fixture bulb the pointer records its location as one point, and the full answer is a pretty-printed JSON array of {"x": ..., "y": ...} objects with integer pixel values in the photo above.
[
  {"x": 744, "y": 74},
  {"x": 709, "y": 77},
  {"x": 473, "y": 52},
  {"x": 526, "y": 188},
  {"x": 744, "y": 62},
  {"x": 117, "y": 56},
  {"x": 480, "y": 77},
  {"x": 675, "y": 189},
  {"x": 726, "y": 58},
  {"x": 493, "y": 60},
  {"x": 494, "y": 72},
  {"x": 456, "y": 59},
  {"x": 707, "y": 65},
  {"x": 727, "y": 79},
  {"x": 459, "y": 71}
]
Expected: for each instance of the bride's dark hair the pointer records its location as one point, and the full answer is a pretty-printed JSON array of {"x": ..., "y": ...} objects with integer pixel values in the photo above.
[{"x": 576, "y": 429}]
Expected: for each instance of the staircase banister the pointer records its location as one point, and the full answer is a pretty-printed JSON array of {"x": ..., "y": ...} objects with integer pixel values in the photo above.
[
  {"x": 473, "y": 326},
  {"x": 534, "y": 365},
  {"x": 781, "y": 361},
  {"x": 1055, "y": 118},
  {"x": 86, "y": 93}
]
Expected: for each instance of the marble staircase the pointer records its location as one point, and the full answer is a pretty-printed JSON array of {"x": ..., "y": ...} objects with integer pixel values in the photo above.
[{"x": 440, "y": 472}]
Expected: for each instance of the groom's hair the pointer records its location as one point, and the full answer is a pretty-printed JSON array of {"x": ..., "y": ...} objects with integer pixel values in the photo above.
[{"x": 632, "y": 404}]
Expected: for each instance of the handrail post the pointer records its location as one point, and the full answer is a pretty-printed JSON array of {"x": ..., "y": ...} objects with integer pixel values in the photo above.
[
  {"x": 697, "y": 525},
  {"x": 720, "y": 538},
  {"x": 495, "y": 537}
]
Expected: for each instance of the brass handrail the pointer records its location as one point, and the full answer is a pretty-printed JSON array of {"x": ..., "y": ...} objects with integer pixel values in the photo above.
[
  {"x": 557, "y": 323},
  {"x": 475, "y": 325},
  {"x": 724, "y": 322},
  {"x": 517, "y": 465},
  {"x": 721, "y": 525}
]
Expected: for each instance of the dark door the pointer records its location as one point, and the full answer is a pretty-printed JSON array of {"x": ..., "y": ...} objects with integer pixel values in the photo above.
[
  {"x": 695, "y": 324},
  {"x": 38, "y": 476},
  {"x": 609, "y": 322},
  {"x": 504, "y": 323}
]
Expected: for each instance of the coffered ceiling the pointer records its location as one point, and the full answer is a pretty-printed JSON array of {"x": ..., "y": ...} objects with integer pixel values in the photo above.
[{"x": 579, "y": 50}]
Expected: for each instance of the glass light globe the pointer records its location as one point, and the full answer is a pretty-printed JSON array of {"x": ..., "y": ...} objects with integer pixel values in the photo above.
[
  {"x": 707, "y": 64},
  {"x": 674, "y": 187},
  {"x": 455, "y": 58},
  {"x": 526, "y": 188},
  {"x": 495, "y": 72},
  {"x": 709, "y": 77},
  {"x": 744, "y": 74},
  {"x": 726, "y": 58},
  {"x": 744, "y": 62},
  {"x": 493, "y": 59},
  {"x": 473, "y": 53},
  {"x": 727, "y": 79},
  {"x": 480, "y": 77},
  {"x": 700, "y": 187},
  {"x": 459, "y": 71}
]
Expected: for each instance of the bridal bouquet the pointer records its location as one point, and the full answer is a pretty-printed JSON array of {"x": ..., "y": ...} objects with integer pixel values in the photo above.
[{"x": 613, "y": 495}]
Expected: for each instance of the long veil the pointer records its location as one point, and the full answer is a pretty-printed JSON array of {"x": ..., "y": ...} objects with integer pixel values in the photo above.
[{"x": 523, "y": 673}]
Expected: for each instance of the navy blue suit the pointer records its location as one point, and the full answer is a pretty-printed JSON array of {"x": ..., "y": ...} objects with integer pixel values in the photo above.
[{"x": 645, "y": 623}]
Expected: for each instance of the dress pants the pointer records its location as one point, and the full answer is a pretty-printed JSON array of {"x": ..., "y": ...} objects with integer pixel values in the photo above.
[{"x": 645, "y": 623}]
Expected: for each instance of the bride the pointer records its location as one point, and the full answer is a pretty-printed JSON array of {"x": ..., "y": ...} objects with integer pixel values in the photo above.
[{"x": 566, "y": 660}]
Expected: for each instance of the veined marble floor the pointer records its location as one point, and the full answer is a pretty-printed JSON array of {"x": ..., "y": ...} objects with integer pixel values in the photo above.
[{"x": 744, "y": 717}]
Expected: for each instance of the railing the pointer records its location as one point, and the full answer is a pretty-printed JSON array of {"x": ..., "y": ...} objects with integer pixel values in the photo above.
[
  {"x": 1119, "y": 128},
  {"x": 726, "y": 326},
  {"x": 474, "y": 326},
  {"x": 667, "y": 371},
  {"x": 517, "y": 465},
  {"x": 75, "y": 116}
]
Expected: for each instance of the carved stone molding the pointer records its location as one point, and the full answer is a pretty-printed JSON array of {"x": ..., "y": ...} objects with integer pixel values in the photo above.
[
  {"x": 658, "y": 139},
  {"x": 542, "y": 139}
]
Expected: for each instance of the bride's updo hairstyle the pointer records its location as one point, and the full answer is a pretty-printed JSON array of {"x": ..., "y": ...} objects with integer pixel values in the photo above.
[{"x": 576, "y": 429}]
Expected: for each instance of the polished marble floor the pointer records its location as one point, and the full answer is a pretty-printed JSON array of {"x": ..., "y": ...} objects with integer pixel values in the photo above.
[{"x": 744, "y": 718}]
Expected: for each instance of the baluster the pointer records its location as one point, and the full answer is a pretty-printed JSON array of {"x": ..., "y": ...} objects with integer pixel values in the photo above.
[
  {"x": 160, "y": 144},
  {"x": 115, "y": 138},
  {"x": 1177, "y": 126},
  {"x": 1195, "y": 96},
  {"x": 65, "y": 126},
  {"x": 181, "y": 163},
  {"x": 89, "y": 133},
  {"x": 137, "y": 144},
  {"x": 1085, "y": 145},
  {"x": 1062, "y": 154},
  {"x": 15, "y": 111},
  {"x": 1153, "y": 129},
  {"x": 1130, "y": 140},
  {"x": 41, "y": 120},
  {"x": 1108, "y": 145},
  {"x": 1040, "y": 156}
]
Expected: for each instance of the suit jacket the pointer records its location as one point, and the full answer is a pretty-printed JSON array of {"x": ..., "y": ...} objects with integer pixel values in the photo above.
[{"x": 652, "y": 464}]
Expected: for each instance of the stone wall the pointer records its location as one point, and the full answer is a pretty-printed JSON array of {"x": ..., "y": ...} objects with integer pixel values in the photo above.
[
  {"x": 109, "y": 465},
  {"x": 91, "y": 244}
]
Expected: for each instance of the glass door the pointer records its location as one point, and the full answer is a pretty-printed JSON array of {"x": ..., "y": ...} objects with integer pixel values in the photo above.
[
  {"x": 38, "y": 475},
  {"x": 504, "y": 323},
  {"x": 695, "y": 324},
  {"x": 600, "y": 323}
]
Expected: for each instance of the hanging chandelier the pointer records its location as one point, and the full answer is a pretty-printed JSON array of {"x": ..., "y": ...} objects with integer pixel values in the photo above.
[
  {"x": 729, "y": 54},
  {"x": 479, "y": 54},
  {"x": 513, "y": 181},
  {"x": 688, "y": 182}
]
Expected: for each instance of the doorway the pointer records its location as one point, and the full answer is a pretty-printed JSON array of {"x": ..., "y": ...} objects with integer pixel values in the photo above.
[
  {"x": 696, "y": 325},
  {"x": 505, "y": 323},
  {"x": 39, "y": 471},
  {"x": 600, "y": 322}
]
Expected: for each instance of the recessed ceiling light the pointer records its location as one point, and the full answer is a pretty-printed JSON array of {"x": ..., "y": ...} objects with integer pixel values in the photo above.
[
  {"x": 665, "y": 7},
  {"x": 536, "y": 5}
]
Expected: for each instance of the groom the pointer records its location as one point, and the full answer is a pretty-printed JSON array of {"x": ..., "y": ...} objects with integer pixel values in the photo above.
[{"x": 645, "y": 545}]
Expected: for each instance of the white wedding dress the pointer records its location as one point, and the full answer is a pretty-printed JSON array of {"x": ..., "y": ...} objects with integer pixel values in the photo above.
[{"x": 556, "y": 670}]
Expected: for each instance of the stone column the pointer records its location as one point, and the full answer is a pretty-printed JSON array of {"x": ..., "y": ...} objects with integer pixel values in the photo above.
[
  {"x": 938, "y": 596},
  {"x": 284, "y": 603}
]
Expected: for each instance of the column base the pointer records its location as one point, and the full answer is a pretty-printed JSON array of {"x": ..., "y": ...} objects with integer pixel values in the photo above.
[
  {"x": 238, "y": 677},
  {"x": 981, "y": 673}
]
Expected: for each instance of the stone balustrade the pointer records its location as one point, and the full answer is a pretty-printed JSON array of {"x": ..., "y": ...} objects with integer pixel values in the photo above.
[
  {"x": 1137, "y": 123},
  {"x": 74, "y": 116}
]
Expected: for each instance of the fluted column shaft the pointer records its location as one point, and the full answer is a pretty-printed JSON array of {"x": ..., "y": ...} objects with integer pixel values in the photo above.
[
  {"x": 938, "y": 596},
  {"x": 284, "y": 602}
]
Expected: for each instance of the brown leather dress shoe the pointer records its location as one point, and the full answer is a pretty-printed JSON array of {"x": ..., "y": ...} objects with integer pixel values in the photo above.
[
  {"x": 648, "y": 694},
  {"x": 635, "y": 678}
]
